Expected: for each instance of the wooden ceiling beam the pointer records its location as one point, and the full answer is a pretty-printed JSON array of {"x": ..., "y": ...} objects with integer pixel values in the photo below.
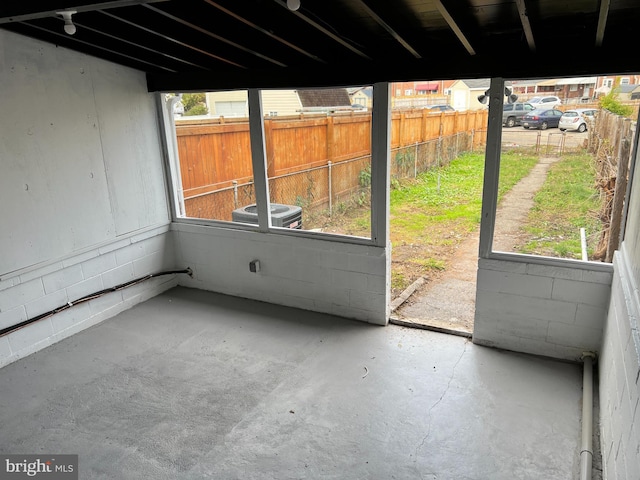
[
  {"x": 454, "y": 26},
  {"x": 526, "y": 26}
]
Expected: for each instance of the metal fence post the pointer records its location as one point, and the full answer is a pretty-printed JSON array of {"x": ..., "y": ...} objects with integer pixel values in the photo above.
[
  {"x": 330, "y": 189},
  {"x": 415, "y": 162},
  {"x": 235, "y": 193}
]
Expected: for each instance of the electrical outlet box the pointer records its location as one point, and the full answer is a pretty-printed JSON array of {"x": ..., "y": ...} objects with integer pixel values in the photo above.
[{"x": 254, "y": 266}]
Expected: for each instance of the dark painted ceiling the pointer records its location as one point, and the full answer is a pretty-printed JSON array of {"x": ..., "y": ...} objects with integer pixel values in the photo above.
[{"x": 209, "y": 44}]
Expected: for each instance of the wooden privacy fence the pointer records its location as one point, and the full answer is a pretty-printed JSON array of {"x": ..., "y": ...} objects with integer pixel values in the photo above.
[
  {"x": 311, "y": 161},
  {"x": 611, "y": 142}
]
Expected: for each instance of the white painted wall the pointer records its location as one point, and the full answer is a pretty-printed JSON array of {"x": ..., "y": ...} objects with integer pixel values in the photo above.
[
  {"x": 619, "y": 369},
  {"x": 542, "y": 309},
  {"x": 82, "y": 189},
  {"x": 619, "y": 362},
  {"x": 343, "y": 279}
]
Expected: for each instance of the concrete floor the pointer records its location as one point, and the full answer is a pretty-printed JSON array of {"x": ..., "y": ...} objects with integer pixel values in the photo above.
[{"x": 194, "y": 385}]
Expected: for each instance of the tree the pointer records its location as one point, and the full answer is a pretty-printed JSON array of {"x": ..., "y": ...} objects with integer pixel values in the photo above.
[{"x": 194, "y": 104}]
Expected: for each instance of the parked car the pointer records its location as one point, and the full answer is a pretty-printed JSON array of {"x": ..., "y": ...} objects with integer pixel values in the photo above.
[
  {"x": 542, "y": 118},
  {"x": 578, "y": 119},
  {"x": 512, "y": 113},
  {"x": 548, "y": 102},
  {"x": 441, "y": 108}
]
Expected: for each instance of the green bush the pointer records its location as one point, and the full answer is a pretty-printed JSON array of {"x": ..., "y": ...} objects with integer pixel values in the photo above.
[
  {"x": 611, "y": 103},
  {"x": 196, "y": 110}
]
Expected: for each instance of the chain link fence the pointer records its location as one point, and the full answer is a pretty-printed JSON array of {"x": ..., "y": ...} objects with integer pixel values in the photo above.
[{"x": 335, "y": 185}]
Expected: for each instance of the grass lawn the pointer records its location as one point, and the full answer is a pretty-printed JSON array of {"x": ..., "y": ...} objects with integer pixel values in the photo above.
[
  {"x": 567, "y": 202},
  {"x": 433, "y": 213}
]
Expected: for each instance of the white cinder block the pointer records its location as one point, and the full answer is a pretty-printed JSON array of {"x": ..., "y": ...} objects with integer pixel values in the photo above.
[
  {"x": 310, "y": 272},
  {"x": 153, "y": 263},
  {"x": 129, "y": 253},
  {"x": 554, "y": 272},
  {"x": 46, "y": 303},
  {"x": 366, "y": 300},
  {"x": 98, "y": 265},
  {"x": 331, "y": 294},
  {"x": 502, "y": 305},
  {"x": 102, "y": 304},
  {"x": 21, "y": 294},
  {"x": 597, "y": 277},
  {"x": 83, "y": 257},
  {"x": 118, "y": 275},
  {"x": 333, "y": 259},
  {"x": 574, "y": 336},
  {"x": 62, "y": 279},
  {"x": 590, "y": 316},
  {"x": 521, "y": 326},
  {"x": 70, "y": 317},
  {"x": 581, "y": 292},
  {"x": 514, "y": 283},
  {"x": 114, "y": 246},
  {"x": 40, "y": 272},
  {"x": 350, "y": 280},
  {"x": 86, "y": 287},
  {"x": 366, "y": 264},
  {"x": 377, "y": 283},
  {"x": 30, "y": 336},
  {"x": 156, "y": 244},
  {"x": 5, "y": 351},
  {"x": 502, "y": 266},
  {"x": 13, "y": 317},
  {"x": 8, "y": 283}
]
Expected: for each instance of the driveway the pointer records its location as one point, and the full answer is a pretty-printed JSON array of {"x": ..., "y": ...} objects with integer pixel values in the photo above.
[{"x": 546, "y": 142}]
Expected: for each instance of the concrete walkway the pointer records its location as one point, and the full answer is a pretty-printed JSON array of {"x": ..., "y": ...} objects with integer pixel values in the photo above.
[
  {"x": 193, "y": 385},
  {"x": 449, "y": 302}
]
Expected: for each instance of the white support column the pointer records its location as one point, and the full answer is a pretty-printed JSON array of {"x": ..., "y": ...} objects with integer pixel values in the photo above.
[
  {"x": 491, "y": 167},
  {"x": 258, "y": 159},
  {"x": 380, "y": 164}
]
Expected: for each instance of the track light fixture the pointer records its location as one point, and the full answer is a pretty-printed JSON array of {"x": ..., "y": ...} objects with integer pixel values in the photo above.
[
  {"x": 293, "y": 5},
  {"x": 69, "y": 27}
]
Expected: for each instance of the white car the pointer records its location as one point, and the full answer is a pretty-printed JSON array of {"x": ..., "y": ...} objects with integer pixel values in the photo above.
[
  {"x": 546, "y": 102},
  {"x": 578, "y": 119}
]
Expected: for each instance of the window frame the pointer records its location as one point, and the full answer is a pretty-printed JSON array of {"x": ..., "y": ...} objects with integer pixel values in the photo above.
[{"x": 380, "y": 172}]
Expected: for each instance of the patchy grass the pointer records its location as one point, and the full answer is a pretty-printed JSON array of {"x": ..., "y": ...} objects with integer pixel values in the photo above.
[
  {"x": 567, "y": 202},
  {"x": 431, "y": 214}
]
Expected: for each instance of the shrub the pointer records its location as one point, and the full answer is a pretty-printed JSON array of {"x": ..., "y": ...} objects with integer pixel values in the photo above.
[{"x": 611, "y": 103}]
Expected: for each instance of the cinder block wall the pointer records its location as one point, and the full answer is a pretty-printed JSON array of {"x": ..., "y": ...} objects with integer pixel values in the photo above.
[
  {"x": 541, "y": 309},
  {"x": 43, "y": 289},
  {"x": 619, "y": 369},
  {"x": 343, "y": 279},
  {"x": 82, "y": 189}
]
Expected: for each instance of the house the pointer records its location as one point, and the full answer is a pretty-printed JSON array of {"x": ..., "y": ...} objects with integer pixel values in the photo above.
[
  {"x": 361, "y": 96},
  {"x": 91, "y": 211},
  {"x": 233, "y": 103},
  {"x": 571, "y": 90},
  {"x": 464, "y": 94},
  {"x": 627, "y": 92}
]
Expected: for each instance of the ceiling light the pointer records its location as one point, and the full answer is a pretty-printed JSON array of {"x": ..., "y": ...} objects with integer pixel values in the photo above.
[
  {"x": 69, "y": 27},
  {"x": 293, "y": 5}
]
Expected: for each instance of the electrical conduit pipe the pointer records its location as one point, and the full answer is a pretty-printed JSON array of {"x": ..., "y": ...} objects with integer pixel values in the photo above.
[{"x": 586, "y": 449}]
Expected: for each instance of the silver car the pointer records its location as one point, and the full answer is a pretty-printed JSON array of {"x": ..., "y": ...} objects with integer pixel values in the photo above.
[{"x": 578, "y": 119}]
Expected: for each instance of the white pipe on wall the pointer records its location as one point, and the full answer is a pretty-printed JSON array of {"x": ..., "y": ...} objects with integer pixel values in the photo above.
[{"x": 586, "y": 449}]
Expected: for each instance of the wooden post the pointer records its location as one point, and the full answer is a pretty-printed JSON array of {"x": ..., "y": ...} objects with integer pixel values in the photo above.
[
  {"x": 620, "y": 192},
  {"x": 268, "y": 134},
  {"x": 330, "y": 139}
]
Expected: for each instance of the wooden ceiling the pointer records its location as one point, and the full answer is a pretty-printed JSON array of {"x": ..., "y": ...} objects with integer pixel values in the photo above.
[{"x": 193, "y": 45}]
